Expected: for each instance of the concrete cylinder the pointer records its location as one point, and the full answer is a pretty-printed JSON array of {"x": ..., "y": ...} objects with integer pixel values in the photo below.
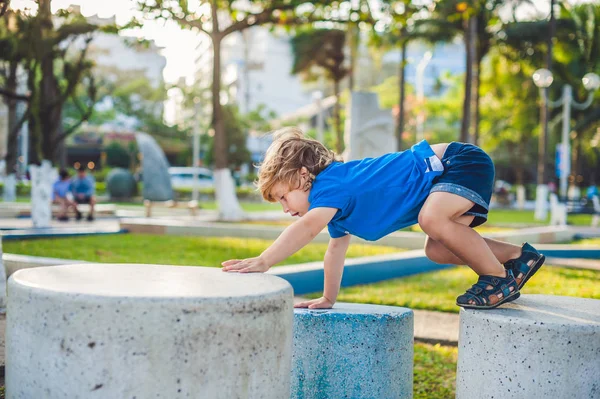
[
  {"x": 353, "y": 351},
  {"x": 147, "y": 331},
  {"x": 539, "y": 346}
]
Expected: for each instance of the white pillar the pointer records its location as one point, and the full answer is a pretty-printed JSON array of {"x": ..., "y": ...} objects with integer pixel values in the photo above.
[
  {"x": 228, "y": 204},
  {"x": 10, "y": 188},
  {"x": 42, "y": 179},
  {"x": 521, "y": 197},
  {"x": 541, "y": 202},
  {"x": 2, "y": 281}
]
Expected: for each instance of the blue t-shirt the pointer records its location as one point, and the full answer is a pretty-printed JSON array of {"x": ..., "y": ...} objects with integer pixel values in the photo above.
[
  {"x": 61, "y": 188},
  {"x": 83, "y": 186},
  {"x": 376, "y": 196}
]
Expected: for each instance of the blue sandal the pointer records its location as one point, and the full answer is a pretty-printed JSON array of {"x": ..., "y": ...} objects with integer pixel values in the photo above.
[
  {"x": 520, "y": 266},
  {"x": 479, "y": 296}
]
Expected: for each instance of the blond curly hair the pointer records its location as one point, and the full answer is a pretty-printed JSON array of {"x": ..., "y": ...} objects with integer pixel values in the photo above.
[{"x": 285, "y": 157}]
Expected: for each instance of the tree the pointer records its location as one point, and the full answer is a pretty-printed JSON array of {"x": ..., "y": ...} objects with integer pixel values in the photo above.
[
  {"x": 577, "y": 52},
  {"x": 53, "y": 75},
  {"x": 4, "y": 6},
  {"x": 219, "y": 19},
  {"x": 399, "y": 32},
  {"x": 322, "y": 48}
]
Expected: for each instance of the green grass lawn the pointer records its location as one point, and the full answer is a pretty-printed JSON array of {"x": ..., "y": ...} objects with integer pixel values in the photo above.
[
  {"x": 434, "y": 371},
  {"x": 508, "y": 216},
  {"x": 438, "y": 290},
  {"x": 169, "y": 250},
  {"x": 589, "y": 242}
]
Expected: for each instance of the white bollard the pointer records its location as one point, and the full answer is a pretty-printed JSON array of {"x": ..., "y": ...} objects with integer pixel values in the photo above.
[
  {"x": 147, "y": 331},
  {"x": 539, "y": 346}
]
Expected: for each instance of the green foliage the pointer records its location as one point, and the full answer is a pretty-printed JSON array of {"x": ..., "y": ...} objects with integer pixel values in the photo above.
[
  {"x": 117, "y": 156},
  {"x": 323, "y": 48}
]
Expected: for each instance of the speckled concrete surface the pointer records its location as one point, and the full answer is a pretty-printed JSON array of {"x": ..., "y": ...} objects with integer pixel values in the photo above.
[
  {"x": 539, "y": 346},
  {"x": 141, "y": 331},
  {"x": 353, "y": 351}
]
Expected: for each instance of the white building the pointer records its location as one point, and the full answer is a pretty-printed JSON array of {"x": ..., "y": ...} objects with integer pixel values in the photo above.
[
  {"x": 123, "y": 53},
  {"x": 256, "y": 69}
]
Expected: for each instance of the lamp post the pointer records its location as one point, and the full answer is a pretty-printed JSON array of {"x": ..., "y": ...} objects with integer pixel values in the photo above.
[
  {"x": 196, "y": 149},
  {"x": 543, "y": 79}
]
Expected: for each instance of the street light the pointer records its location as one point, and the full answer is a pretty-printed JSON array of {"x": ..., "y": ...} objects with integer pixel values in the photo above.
[{"x": 543, "y": 78}]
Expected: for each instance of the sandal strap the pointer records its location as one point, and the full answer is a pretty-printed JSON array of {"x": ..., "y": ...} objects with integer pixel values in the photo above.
[{"x": 481, "y": 295}]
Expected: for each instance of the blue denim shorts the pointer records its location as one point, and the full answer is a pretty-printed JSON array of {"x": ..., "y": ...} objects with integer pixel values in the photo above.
[{"x": 468, "y": 172}]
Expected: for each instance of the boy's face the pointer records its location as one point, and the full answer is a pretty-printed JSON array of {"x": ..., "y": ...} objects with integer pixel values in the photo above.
[{"x": 293, "y": 200}]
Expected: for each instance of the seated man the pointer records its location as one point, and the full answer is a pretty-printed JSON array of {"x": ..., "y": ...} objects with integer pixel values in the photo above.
[
  {"x": 60, "y": 195},
  {"x": 83, "y": 189}
]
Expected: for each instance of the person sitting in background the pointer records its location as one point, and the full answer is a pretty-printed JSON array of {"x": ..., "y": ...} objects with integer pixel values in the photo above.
[
  {"x": 591, "y": 192},
  {"x": 60, "y": 195},
  {"x": 83, "y": 189}
]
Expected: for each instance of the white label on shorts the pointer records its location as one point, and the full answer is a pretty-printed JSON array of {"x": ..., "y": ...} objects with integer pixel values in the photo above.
[{"x": 436, "y": 164}]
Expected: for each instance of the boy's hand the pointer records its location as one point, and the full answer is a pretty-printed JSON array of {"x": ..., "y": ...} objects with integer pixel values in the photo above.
[
  {"x": 250, "y": 265},
  {"x": 320, "y": 303}
]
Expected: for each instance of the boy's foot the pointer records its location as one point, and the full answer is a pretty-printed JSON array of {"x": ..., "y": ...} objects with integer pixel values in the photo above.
[
  {"x": 78, "y": 215},
  {"x": 63, "y": 218},
  {"x": 525, "y": 265},
  {"x": 490, "y": 292},
  {"x": 90, "y": 218}
]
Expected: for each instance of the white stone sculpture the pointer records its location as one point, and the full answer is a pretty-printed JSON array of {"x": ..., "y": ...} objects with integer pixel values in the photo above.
[{"x": 369, "y": 131}]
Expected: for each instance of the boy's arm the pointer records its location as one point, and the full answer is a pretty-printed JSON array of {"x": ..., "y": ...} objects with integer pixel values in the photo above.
[
  {"x": 334, "y": 267},
  {"x": 293, "y": 238}
]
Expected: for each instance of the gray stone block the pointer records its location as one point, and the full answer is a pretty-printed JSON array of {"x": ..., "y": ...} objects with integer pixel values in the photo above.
[
  {"x": 155, "y": 169},
  {"x": 353, "y": 351},
  {"x": 147, "y": 331},
  {"x": 539, "y": 346}
]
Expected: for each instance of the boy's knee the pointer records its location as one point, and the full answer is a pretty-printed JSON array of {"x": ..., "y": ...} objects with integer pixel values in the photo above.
[
  {"x": 430, "y": 224},
  {"x": 433, "y": 253}
]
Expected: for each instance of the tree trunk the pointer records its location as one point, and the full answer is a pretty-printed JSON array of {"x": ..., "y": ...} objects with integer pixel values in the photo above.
[
  {"x": 49, "y": 99},
  {"x": 336, "y": 115},
  {"x": 227, "y": 202},
  {"x": 402, "y": 89},
  {"x": 353, "y": 40},
  {"x": 469, "y": 45},
  {"x": 475, "y": 101},
  {"x": 13, "y": 132},
  {"x": 220, "y": 148}
]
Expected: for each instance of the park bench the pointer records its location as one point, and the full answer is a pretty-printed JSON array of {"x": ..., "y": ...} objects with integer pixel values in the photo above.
[
  {"x": 560, "y": 208},
  {"x": 191, "y": 205},
  {"x": 19, "y": 210}
]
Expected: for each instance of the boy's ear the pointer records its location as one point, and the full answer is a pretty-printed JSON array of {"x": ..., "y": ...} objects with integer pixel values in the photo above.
[{"x": 303, "y": 171}]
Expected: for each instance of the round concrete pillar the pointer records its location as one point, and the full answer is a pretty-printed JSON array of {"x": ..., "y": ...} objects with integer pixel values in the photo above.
[
  {"x": 147, "y": 331},
  {"x": 537, "y": 347},
  {"x": 353, "y": 351}
]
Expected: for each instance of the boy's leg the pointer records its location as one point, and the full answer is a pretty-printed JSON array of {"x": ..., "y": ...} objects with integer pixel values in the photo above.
[
  {"x": 439, "y": 219},
  {"x": 438, "y": 253}
]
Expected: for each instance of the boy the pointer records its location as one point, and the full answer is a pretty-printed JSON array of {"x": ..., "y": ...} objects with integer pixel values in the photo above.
[
  {"x": 60, "y": 191},
  {"x": 446, "y": 188},
  {"x": 83, "y": 188}
]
